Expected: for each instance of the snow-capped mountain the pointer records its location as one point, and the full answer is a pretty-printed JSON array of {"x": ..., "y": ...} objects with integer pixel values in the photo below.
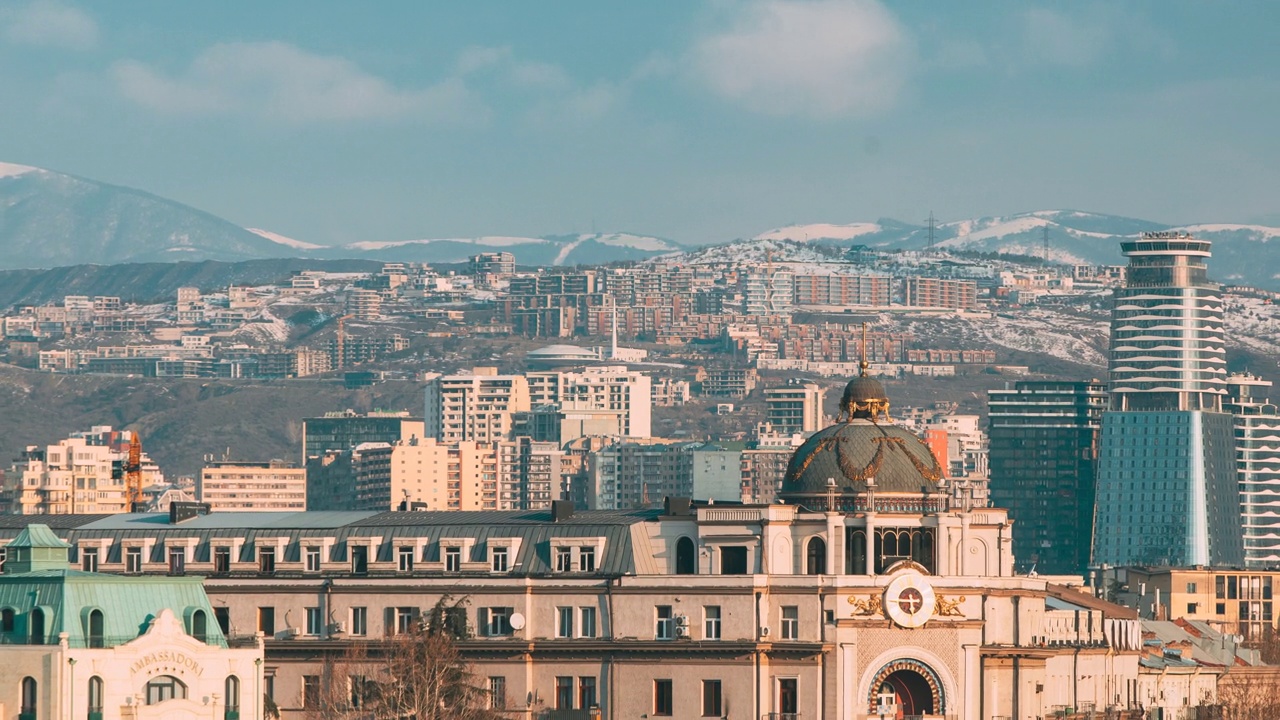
[
  {"x": 51, "y": 219},
  {"x": 1241, "y": 253}
]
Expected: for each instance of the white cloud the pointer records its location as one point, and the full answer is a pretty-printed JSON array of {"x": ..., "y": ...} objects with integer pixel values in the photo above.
[
  {"x": 281, "y": 82},
  {"x": 51, "y": 24},
  {"x": 825, "y": 58},
  {"x": 478, "y": 57}
]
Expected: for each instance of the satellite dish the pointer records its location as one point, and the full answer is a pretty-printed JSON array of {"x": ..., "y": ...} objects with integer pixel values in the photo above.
[{"x": 517, "y": 621}]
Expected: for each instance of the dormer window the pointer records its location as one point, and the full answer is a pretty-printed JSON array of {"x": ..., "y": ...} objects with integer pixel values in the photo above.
[
  {"x": 587, "y": 559},
  {"x": 453, "y": 559},
  {"x": 564, "y": 559},
  {"x": 133, "y": 560},
  {"x": 500, "y": 558},
  {"x": 312, "y": 555},
  {"x": 177, "y": 561},
  {"x": 221, "y": 560},
  {"x": 404, "y": 559},
  {"x": 89, "y": 559},
  {"x": 266, "y": 560}
]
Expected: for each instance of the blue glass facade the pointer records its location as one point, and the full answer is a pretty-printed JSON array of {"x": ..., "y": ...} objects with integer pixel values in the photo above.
[{"x": 1167, "y": 490}]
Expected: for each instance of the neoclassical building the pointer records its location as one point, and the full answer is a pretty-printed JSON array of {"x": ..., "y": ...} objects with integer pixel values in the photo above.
[
  {"x": 869, "y": 591},
  {"x": 80, "y": 644}
]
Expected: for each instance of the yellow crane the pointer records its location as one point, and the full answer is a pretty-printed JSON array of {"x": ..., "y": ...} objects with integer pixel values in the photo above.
[{"x": 133, "y": 474}]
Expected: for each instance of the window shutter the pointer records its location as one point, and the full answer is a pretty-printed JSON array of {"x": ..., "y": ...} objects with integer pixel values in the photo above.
[{"x": 482, "y": 622}]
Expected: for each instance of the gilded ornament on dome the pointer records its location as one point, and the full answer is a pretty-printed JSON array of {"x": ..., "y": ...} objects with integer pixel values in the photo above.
[{"x": 949, "y": 608}]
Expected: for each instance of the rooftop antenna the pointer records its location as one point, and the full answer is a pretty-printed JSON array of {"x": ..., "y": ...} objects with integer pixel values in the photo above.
[
  {"x": 1044, "y": 233},
  {"x": 932, "y": 225}
]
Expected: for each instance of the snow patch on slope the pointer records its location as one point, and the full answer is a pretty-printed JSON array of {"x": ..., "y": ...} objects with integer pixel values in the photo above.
[
  {"x": 485, "y": 241},
  {"x": 14, "y": 170},
  {"x": 282, "y": 240},
  {"x": 1260, "y": 232},
  {"x": 820, "y": 231}
]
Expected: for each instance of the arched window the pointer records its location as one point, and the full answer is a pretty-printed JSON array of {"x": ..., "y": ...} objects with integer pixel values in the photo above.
[
  {"x": 165, "y": 687},
  {"x": 29, "y": 696},
  {"x": 199, "y": 626},
  {"x": 6, "y": 620},
  {"x": 686, "y": 559},
  {"x": 36, "y": 627},
  {"x": 856, "y": 558},
  {"x": 95, "y": 629},
  {"x": 816, "y": 557},
  {"x": 232, "y": 708},
  {"x": 95, "y": 698}
]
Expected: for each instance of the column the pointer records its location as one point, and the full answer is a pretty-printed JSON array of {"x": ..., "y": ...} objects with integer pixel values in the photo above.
[
  {"x": 848, "y": 682},
  {"x": 871, "y": 544},
  {"x": 963, "y": 568},
  {"x": 834, "y": 545},
  {"x": 972, "y": 683}
]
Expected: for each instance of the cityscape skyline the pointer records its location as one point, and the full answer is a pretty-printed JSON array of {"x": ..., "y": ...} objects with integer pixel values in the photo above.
[{"x": 673, "y": 120}]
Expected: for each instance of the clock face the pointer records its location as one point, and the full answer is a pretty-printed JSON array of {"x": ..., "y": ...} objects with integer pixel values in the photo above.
[{"x": 909, "y": 601}]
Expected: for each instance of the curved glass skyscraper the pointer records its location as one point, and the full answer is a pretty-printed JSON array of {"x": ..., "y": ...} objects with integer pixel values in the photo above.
[{"x": 1167, "y": 484}]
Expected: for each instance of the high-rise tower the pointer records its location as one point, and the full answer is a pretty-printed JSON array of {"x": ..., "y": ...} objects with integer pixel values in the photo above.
[{"x": 1167, "y": 488}]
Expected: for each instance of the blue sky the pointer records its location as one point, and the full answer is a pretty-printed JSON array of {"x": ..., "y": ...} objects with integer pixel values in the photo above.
[{"x": 695, "y": 120}]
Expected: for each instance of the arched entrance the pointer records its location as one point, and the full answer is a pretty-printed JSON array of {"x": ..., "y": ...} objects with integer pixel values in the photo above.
[{"x": 906, "y": 687}]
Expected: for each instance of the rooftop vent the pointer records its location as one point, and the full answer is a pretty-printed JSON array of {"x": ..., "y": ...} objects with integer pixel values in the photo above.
[
  {"x": 561, "y": 510},
  {"x": 183, "y": 511},
  {"x": 678, "y": 507}
]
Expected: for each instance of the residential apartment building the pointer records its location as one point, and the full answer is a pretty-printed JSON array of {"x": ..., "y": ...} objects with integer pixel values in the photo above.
[
  {"x": 1257, "y": 432},
  {"x": 274, "y": 486},
  {"x": 342, "y": 431},
  {"x": 633, "y": 474},
  {"x": 795, "y": 407},
  {"x": 364, "y": 304},
  {"x": 83, "y": 473},
  {"x": 1234, "y": 601},
  {"x": 940, "y": 293},
  {"x": 479, "y": 406},
  {"x": 843, "y": 290}
]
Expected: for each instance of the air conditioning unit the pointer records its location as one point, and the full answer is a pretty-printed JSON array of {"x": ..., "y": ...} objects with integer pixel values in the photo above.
[
  {"x": 764, "y": 631},
  {"x": 337, "y": 628},
  {"x": 292, "y": 632},
  {"x": 682, "y": 621},
  {"x": 682, "y": 631}
]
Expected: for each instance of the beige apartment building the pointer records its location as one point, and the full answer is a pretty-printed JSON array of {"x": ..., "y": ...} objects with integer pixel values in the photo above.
[
  {"x": 794, "y": 408},
  {"x": 1233, "y": 601},
  {"x": 79, "y": 474},
  {"x": 275, "y": 486},
  {"x": 940, "y": 293}
]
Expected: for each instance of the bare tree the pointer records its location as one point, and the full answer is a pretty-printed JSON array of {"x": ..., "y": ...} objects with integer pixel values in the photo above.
[
  {"x": 1250, "y": 693},
  {"x": 419, "y": 674}
]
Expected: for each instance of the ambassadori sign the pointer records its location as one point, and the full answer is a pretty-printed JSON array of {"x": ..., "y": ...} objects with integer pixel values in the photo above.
[{"x": 168, "y": 658}]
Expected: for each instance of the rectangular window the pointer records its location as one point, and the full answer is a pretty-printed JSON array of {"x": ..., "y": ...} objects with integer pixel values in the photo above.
[
  {"x": 564, "y": 559},
  {"x": 1220, "y": 587},
  {"x": 587, "y": 560},
  {"x": 711, "y": 625},
  {"x": 564, "y": 622},
  {"x": 310, "y": 691},
  {"x": 223, "y": 617},
  {"x": 177, "y": 561},
  {"x": 266, "y": 560},
  {"x": 587, "y": 628},
  {"x": 664, "y": 628},
  {"x": 662, "y": 700},
  {"x": 359, "y": 621},
  {"x": 1191, "y": 587},
  {"x": 452, "y": 559},
  {"x": 788, "y": 696},
  {"x": 1221, "y": 608},
  {"x": 497, "y": 693},
  {"x": 267, "y": 621},
  {"x": 500, "y": 559},
  {"x": 313, "y": 621},
  {"x": 1193, "y": 608},
  {"x": 586, "y": 692},
  {"x": 313, "y": 559},
  {"x": 404, "y": 559},
  {"x": 89, "y": 559},
  {"x": 733, "y": 561},
  {"x": 360, "y": 559},
  {"x": 133, "y": 560},
  {"x": 221, "y": 560},
  {"x": 404, "y": 619},
  {"x": 712, "y": 704},
  {"x": 564, "y": 693},
  {"x": 790, "y": 622},
  {"x": 495, "y": 621}
]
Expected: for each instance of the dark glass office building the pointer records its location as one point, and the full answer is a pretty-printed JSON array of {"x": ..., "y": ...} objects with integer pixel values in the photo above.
[{"x": 1043, "y": 460}]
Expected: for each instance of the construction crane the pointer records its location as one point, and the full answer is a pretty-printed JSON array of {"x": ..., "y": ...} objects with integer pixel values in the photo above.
[
  {"x": 342, "y": 340},
  {"x": 133, "y": 474}
]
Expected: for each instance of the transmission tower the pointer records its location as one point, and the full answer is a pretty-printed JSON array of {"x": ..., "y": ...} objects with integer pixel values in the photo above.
[
  {"x": 932, "y": 225},
  {"x": 1044, "y": 234}
]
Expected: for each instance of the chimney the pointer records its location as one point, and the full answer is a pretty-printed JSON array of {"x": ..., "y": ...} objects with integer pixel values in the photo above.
[{"x": 561, "y": 510}]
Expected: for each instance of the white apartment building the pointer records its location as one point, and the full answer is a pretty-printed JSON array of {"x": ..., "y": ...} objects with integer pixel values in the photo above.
[
  {"x": 1257, "y": 428},
  {"x": 478, "y": 406},
  {"x": 275, "y": 486},
  {"x": 795, "y": 407}
]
